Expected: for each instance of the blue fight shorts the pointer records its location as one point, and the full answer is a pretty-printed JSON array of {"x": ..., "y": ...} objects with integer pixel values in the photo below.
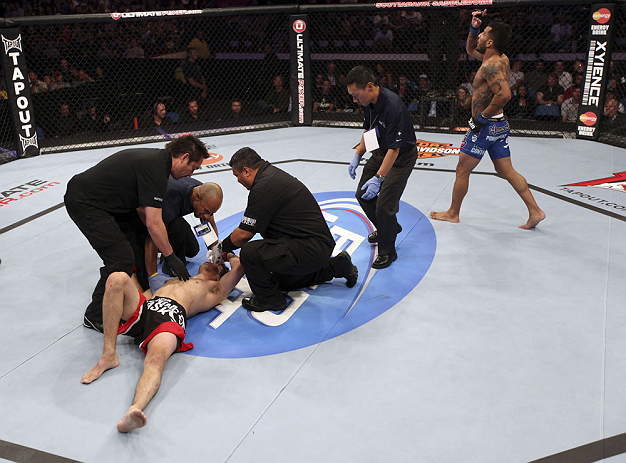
[{"x": 493, "y": 137}]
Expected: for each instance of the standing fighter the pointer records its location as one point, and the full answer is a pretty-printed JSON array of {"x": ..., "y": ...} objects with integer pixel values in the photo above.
[
  {"x": 489, "y": 130},
  {"x": 109, "y": 202},
  {"x": 390, "y": 137}
]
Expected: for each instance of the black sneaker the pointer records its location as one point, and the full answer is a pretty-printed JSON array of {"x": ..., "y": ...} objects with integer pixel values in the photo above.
[
  {"x": 254, "y": 305},
  {"x": 93, "y": 325},
  {"x": 344, "y": 268},
  {"x": 373, "y": 237}
]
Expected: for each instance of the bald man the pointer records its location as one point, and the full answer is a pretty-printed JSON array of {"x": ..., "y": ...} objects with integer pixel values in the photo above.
[{"x": 182, "y": 197}]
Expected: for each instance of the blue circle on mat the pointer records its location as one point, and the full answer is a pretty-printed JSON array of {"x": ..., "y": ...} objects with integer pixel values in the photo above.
[{"x": 330, "y": 309}]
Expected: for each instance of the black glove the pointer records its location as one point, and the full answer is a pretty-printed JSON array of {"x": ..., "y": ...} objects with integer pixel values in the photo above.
[
  {"x": 476, "y": 123},
  {"x": 177, "y": 267}
]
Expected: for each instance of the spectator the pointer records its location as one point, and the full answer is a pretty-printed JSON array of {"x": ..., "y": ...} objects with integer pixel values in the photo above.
[
  {"x": 64, "y": 68},
  {"x": 84, "y": 78},
  {"x": 236, "y": 110},
  {"x": 325, "y": 101},
  {"x": 270, "y": 64},
  {"x": 277, "y": 98},
  {"x": 196, "y": 85},
  {"x": 424, "y": 86},
  {"x": 578, "y": 82},
  {"x": 318, "y": 85},
  {"x": 331, "y": 67},
  {"x": 561, "y": 33},
  {"x": 3, "y": 91},
  {"x": 521, "y": 106},
  {"x": 36, "y": 85},
  {"x": 612, "y": 119},
  {"x": 469, "y": 85},
  {"x": 550, "y": 98},
  {"x": 516, "y": 76},
  {"x": 406, "y": 91},
  {"x": 344, "y": 100},
  {"x": 94, "y": 120},
  {"x": 65, "y": 124},
  {"x": 191, "y": 113},
  {"x": 462, "y": 109},
  {"x": 569, "y": 108},
  {"x": 565, "y": 78},
  {"x": 58, "y": 82},
  {"x": 158, "y": 117},
  {"x": 383, "y": 39},
  {"x": 134, "y": 50},
  {"x": 536, "y": 78},
  {"x": 200, "y": 45}
]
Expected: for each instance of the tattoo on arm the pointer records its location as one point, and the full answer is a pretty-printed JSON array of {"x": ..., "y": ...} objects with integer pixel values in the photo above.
[
  {"x": 490, "y": 71},
  {"x": 496, "y": 86}
]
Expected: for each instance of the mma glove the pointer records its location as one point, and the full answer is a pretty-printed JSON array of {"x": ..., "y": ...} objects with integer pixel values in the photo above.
[
  {"x": 372, "y": 187},
  {"x": 353, "y": 166},
  {"x": 177, "y": 267},
  {"x": 476, "y": 123},
  {"x": 216, "y": 255}
]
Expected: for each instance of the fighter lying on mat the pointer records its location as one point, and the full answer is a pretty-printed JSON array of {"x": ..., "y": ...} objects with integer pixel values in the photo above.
[{"x": 158, "y": 323}]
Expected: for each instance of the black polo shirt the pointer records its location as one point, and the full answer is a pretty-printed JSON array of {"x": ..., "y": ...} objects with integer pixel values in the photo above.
[
  {"x": 124, "y": 181},
  {"x": 392, "y": 120},
  {"x": 177, "y": 201},
  {"x": 279, "y": 205}
]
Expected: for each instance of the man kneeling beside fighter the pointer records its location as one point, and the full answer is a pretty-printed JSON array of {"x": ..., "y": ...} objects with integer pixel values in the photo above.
[{"x": 158, "y": 322}]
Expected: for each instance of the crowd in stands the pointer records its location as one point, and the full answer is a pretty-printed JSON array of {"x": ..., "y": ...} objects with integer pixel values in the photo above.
[{"x": 549, "y": 90}]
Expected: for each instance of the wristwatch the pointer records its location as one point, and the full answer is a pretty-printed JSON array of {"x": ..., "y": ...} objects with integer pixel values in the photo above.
[{"x": 381, "y": 178}]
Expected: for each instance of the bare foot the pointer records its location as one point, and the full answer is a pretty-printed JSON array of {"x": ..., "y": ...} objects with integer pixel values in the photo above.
[
  {"x": 446, "y": 216},
  {"x": 133, "y": 419},
  {"x": 104, "y": 364},
  {"x": 533, "y": 220}
]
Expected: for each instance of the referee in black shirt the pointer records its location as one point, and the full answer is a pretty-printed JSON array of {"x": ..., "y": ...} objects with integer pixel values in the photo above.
[
  {"x": 109, "y": 202},
  {"x": 390, "y": 137},
  {"x": 296, "y": 246}
]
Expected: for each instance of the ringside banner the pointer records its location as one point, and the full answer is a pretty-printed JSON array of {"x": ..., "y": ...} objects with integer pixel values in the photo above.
[
  {"x": 300, "y": 70},
  {"x": 18, "y": 92},
  {"x": 601, "y": 27}
]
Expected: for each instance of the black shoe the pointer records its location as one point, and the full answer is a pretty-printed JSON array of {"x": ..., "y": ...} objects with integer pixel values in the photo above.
[
  {"x": 92, "y": 325},
  {"x": 344, "y": 268},
  {"x": 373, "y": 237},
  {"x": 253, "y": 304},
  {"x": 384, "y": 260}
]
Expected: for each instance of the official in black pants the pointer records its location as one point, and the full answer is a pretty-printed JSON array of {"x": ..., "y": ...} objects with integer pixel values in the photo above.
[
  {"x": 117, "y": 202},
  {"x": 297, "y": 245},
  {"x": 390, "y": 137}
]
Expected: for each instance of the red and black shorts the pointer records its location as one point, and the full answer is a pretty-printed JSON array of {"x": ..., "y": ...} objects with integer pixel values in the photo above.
[{"x": 154, "y": 316}]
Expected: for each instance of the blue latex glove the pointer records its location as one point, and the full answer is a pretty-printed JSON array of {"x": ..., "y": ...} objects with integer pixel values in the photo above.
[
  {"x": 353, "y": 165},
  {"x": 372, "y": 186}
]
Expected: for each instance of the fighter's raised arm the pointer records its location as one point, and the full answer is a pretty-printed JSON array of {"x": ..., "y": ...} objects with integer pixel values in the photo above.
[{"x": 472, "y": 38}]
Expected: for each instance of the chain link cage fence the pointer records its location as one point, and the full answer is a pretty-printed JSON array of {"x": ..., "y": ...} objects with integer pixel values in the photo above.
[
  {"x": 101, "y": 83},
  {"x": 104, "y": 82},
  {"x": 420, "y": 54}
]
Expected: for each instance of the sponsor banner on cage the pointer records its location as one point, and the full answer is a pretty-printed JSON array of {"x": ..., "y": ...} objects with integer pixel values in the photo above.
[
  {"x": 18, "y": 92},
  {"x": 300, "y": 82},
  {"x": 601, "y": 26}
]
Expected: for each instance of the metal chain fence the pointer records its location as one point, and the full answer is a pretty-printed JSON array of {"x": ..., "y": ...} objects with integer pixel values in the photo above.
[
  {"x": 104, "y": 83},
  {"x": 100, "y": 83},
  {"x": 420, "y": 54}
]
